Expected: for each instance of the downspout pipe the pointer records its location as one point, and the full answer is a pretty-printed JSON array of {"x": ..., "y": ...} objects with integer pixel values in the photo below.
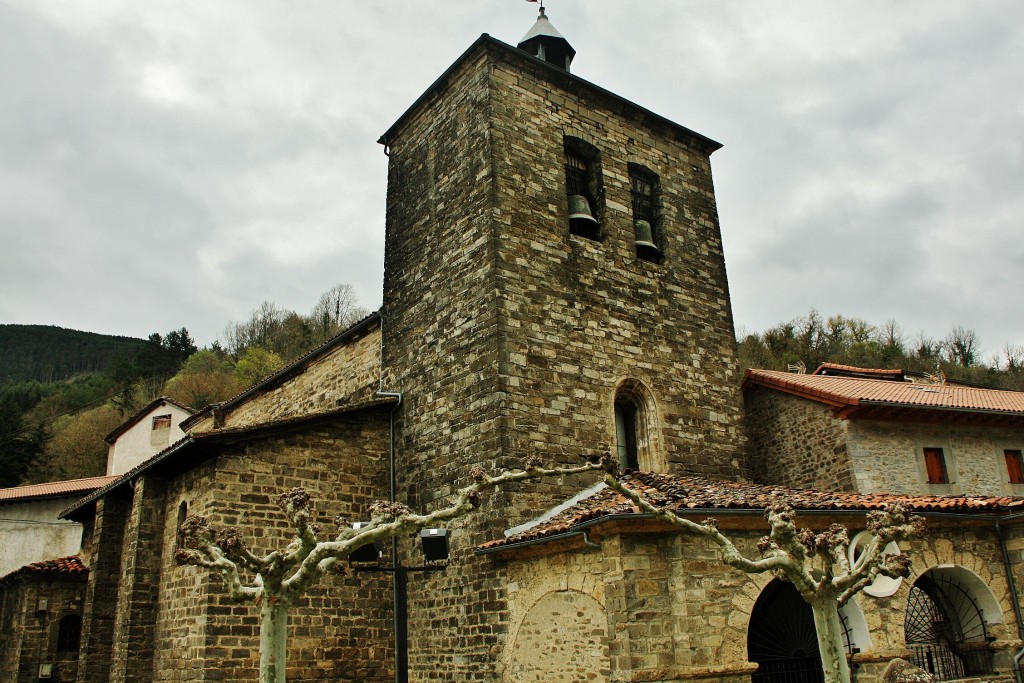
[
  {"x": 1015, "y": 600},
  {"x": 399, "y": 596}
]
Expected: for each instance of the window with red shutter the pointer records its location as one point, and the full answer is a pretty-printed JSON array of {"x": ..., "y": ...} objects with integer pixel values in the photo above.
[
  {"x": 1014, "y": 468},
  {"x": 935, "y": 464}
]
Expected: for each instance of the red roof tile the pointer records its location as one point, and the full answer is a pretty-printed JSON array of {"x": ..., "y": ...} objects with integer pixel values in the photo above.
[
  {"x": 856, "y": 391},
  {"x": 684, "y": 493},
  {"x": 53, "y": 489},
  {"x": 61, "y": 565}
]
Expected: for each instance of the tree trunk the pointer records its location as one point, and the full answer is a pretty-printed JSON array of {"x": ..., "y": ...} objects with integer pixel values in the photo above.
[
  {"x": 830, "y": 640},
  {"x": 273, "y": 640}
]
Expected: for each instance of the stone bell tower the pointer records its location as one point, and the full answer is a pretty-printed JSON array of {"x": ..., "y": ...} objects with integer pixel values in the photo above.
[{"x": 554, "y": 284}]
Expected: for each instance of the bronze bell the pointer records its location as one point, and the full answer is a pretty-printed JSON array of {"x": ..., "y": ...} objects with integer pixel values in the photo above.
[
  {"x": 644, "y": 234},
  {"x": 579, "y": 211}
]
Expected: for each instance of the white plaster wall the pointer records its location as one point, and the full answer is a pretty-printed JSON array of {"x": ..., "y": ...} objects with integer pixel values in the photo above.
[
  {"x": 31, "y": 532},
  {"x": 134, "y": 446}
]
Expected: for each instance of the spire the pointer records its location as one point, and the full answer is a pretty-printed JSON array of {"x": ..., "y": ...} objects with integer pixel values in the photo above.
[{"x": 545, "y": 42}]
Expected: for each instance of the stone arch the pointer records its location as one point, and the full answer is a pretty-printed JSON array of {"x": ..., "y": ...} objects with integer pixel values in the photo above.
[
  {"x": 637, "y": 435},
  {"x": 947, "y": 622},
  {"x": 562, "y": 637}
]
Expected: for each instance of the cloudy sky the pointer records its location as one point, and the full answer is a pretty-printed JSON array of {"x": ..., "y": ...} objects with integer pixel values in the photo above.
[{"x": 174, "y": 163}]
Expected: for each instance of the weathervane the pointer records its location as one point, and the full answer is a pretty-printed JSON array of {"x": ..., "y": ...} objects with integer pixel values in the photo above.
[{"x": 541, "y": 5}]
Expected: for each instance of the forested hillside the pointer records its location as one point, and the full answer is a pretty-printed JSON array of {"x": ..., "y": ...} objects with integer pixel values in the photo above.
[
  {"x": 62, "y": 391},
  {"x": 813, "y": 339},
  {"x": 44, "y": 353}
]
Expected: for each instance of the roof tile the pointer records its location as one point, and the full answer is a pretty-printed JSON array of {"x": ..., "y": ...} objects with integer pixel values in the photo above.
[{"x": 682, "y": 493}]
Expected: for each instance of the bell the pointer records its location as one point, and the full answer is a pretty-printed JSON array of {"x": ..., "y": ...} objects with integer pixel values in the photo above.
[
  {"x": 579, "y": 210},
  {"x": 644, "y": 235}
]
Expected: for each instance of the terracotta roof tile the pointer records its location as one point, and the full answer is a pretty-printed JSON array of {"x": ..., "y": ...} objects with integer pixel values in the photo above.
[
  {"x": 61, "y": 565},
  {"x": 854, "y": 391},
  {"x": 54, "y": 489},
  {"x": 683, "y": 493}
]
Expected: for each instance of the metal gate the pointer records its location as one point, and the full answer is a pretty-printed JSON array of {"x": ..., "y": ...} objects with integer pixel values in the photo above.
[
  {"x": 782, "y": 638},
  {"x": 945, "y": 630}
]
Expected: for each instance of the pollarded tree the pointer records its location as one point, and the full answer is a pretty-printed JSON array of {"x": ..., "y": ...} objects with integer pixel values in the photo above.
[
  {"x": 816, "y": 564},
  {"x": 281, "y": 576}
]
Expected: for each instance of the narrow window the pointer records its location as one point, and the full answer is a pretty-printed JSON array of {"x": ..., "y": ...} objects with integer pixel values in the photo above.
[
  {"x": 583, "y": 188},
  {"x": 182, "y": 516},
  {"x": 625, "y": 434},
  {"x": 644, "y": 190},
  {"x": 1014, "y": 465},
  {"x": 68, "y": 633},
  {"x": 935, "y": 465}
]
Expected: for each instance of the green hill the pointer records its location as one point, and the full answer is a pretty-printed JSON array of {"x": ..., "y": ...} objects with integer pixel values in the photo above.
[{"x": 45, "y": 353}]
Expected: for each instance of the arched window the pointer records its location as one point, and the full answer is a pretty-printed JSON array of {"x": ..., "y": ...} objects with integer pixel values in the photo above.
[
  {"x": 635, "y": 444},
  {"x": 69, "y": 632}
]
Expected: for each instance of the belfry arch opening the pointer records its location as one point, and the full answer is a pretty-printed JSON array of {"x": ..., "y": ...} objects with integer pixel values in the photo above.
[{"x": 635, "y": 442}]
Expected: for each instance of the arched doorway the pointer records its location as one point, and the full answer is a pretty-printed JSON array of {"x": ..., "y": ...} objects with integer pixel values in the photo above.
[
  {"x": 945, "y": 626},
  {"x": 781, "y": 637}
]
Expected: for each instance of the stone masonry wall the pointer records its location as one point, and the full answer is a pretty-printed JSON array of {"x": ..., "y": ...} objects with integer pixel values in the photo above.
[
  {"x": 579, "y": 316},
  {"x": 349, "y": 373},
  {"x": 29, "y": 636},
  {"x": 440, "y": 351},
  {"x": 795, "y": 442},
  {"x": 340, "y": 631},
  {"x": 99, "y": 613},
  {"x": 508, "y": 337},
  {"x": 885, "y": 456},
  {"x": 675, "y": 612},
  {"x": 139, "y": 585}
]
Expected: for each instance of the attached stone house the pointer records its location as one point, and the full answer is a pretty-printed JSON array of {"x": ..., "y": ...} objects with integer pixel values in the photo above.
[
  {"x": 854, "y": 429},
  {"x": 41, "y": 620},
  {"x": 554, "y": 286}
]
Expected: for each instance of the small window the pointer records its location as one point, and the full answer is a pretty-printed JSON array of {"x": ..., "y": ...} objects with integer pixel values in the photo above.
[
  {"x": 644, "y": 190},
  {"x": 69, "y": 633},
  {"x": 625, "y": 434},
  {"x": 935, "y": 466},
  {"x": 1014, "y": 465},
  {"x": 179, "y": 542},
  {"x": 583, "y": 188},
  {"x": 161, "y": 422}
]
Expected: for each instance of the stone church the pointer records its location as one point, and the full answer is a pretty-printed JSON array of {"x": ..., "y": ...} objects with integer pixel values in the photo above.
[{"x": 554, "y": 285}]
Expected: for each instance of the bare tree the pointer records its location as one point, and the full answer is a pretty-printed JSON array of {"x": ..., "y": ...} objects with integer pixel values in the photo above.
[
  {"x": 816, "y": 564},
  {"x": 280, "y": 577},
  {"x": 962, "y": 346},
  {"x": 337, "y": 308}
]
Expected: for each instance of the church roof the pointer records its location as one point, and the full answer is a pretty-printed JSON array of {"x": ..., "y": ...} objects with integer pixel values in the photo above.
[
  {"x": 53, "y": 489},
  {"x": 701, "y": 496},
  {"x": 853, "y": 393}
]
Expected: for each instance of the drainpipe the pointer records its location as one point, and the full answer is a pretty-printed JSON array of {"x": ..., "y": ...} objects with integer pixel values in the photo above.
[
  {"x": 399, "y": 592},
  {"x": 1007, "y": 566}
]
